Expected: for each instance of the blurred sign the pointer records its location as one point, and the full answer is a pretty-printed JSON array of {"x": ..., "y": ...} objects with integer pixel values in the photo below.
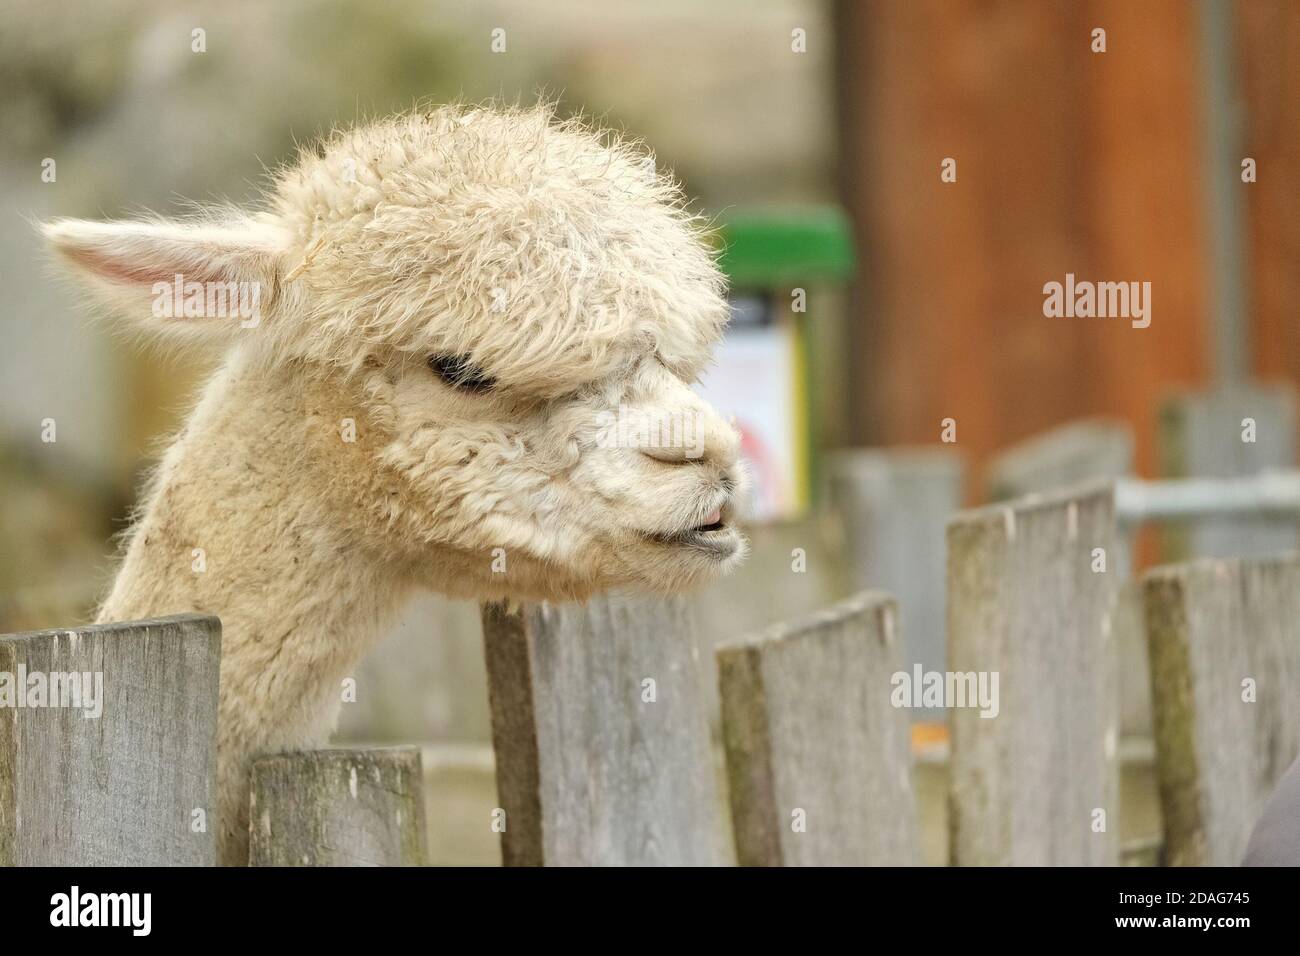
[
  {"x": 760, "y": 376},
  {"x": 756, "y": 379}
]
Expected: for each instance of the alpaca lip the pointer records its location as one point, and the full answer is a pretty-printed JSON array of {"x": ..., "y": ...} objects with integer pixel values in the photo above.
[{"x": 715, "y": 537}]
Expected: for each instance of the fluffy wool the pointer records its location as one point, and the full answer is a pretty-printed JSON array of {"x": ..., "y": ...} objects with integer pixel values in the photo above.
[{"x": 329, "y": 470}]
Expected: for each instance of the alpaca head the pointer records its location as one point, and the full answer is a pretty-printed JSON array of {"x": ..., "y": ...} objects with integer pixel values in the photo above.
[{"x": 516, "y": 305}]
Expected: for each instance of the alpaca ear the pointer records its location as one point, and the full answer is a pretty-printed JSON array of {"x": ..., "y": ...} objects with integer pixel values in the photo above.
[{"x": 185, "y": 281}]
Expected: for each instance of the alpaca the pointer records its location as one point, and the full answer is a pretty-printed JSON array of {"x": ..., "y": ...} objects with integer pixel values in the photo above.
[{"x": 451, "y": 309}]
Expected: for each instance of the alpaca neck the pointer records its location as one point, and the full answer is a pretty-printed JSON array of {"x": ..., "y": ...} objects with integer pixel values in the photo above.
[{"x": 239, "y": 522}]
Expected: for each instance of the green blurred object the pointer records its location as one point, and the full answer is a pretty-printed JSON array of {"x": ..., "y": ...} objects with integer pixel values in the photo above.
[
  {"x": 777, "y": 363},
  {"x": 762, "y": 250}
]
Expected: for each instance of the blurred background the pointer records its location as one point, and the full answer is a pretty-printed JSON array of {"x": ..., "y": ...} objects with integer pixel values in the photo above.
[{"x": 880, "y": 304}]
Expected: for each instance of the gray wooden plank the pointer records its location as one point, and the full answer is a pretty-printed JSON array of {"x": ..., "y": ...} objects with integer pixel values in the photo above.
[
  {"x": 425, "y": 681},
  {"x": 132, "y": 786},
  {"x": 338, "y": 808},
  {"x": 894, "y": 505},
  {"x": 1025, "y": 603},
  {"x": 1213, "y": 625},
  {"x": 818, "y": 758},
  {"x": 589, "y": 772},
  {"x": 1060, "y": 457},
  {"x": 1201, "y": 437},
  {"x": 791, "y": 570},
  {"x": 1079, "y": 451}
]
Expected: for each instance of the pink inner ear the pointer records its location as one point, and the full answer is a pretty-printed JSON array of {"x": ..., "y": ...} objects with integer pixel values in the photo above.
[{"x": 133, "y": 273}]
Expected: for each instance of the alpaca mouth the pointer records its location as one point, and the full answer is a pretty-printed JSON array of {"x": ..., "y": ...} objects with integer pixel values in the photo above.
[
  {"x": 714, "y": 536},
  {"x": 712, "y": 522}
]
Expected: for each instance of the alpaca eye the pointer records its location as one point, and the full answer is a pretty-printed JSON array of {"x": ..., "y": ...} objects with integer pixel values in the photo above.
[{"x": 459, "y": 372}]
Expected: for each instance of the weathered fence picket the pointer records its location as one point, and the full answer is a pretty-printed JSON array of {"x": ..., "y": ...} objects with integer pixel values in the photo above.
[
  {"x": 1229, "y": 433},
  {"x": 1081, "y": 451},
  {"x": 338, "y": 808},
  {"x": 601, "y": 735},
  {"x": 817, "y": 755},
  {"x": 1038, "y": 782},
  {"x": 1225, "y": 661},
  {"x": 126, "y": 779},
  {"x": 411, "y": 688},
  {"x": 791, "y": 570},
  {"x": 894, "y": 505},
  {"x": 1061, "y": 457}
]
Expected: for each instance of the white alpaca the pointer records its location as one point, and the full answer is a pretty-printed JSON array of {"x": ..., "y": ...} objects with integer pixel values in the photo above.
[{"x": 451, "y": 307}]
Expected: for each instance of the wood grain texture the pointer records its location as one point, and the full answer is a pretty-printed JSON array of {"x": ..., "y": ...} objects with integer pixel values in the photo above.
[
  {"x": 338, "y": 808},
  {"x": 1214, "y": 624},
  {"x": 588, "y": 772},
  {"x": 767, "y": 589},
  {"x": 1097, "y": 448},
  {"x": 1201, "y": 437},
  {"x": 1024, "y": 602},
  {"x": 893, "y": 506},
  {"x": 120, "y": 789},
  {"x": 808, "y": 726}
]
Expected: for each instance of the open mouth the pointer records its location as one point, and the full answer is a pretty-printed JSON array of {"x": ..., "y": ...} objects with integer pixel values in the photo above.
[
  {"x": 713, "y": 522},
  {"x": 713, "y": 535}
]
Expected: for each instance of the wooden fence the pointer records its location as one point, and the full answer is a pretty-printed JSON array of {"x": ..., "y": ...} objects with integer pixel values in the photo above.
[
  {"x": 1229, "y": 433},
  {"x": 126, "y": 776},
  {"x": 1225, "y": 660},
  {"x": 1030, "y": 592},
  {"x": 893, "y": 507},
  {"x": 601, "y": 735},
  {"x": 817, "y": 756},
  {"x": 108, "y": 758},
  {"x": 337, "y": 808},
  {"x": 623, "y": 736}
]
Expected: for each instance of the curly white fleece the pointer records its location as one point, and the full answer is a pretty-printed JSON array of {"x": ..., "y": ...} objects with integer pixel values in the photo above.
[{"x": 327, "y": 471}]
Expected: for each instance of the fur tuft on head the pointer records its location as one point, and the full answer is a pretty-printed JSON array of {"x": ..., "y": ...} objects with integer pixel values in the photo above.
[{"x": 538, "y": 248}]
